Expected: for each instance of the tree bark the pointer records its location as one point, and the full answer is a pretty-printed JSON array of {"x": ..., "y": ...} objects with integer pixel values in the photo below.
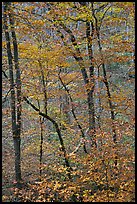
[
  {"x": 15, "y": 108},
  {"x": 17, "y": 139},
  {"x": 89, "y": 35}
]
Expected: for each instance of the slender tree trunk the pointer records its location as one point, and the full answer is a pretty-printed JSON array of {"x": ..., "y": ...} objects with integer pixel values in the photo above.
[
  {"x": 41, "y": 120},
  {"x": 17, "y": 139},
  {"x": 73, "y": 112},
  {"x": 89, "y": 35},
  {"x": 99, "y": 107},
  {"x": 79, "y": 59},
  {"x": 63, "y": 149},
  {"x": 106, "y": 82},
  {"x": 108, "y": 93},
  {"x": 41, "y": 144},
  {"x": 98, "y": 99},
  {"x": 15, "y": 108},
  {"x": 44, "y": 87},
  {"x": 105, "y": 77}
]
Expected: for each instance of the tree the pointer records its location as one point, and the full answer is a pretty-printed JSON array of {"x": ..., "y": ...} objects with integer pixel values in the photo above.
[
  {"x": 57, "y": 130},
  {"x": 76, "y": 95},
  {"x": 15, "y": 105}
]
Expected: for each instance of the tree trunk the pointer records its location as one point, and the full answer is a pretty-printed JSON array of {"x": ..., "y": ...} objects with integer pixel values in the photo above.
[
  {"x": 106, "y": 83},
  {"x": 16, "y": 121},
  {"x": 63, "y": 149},
  {"x": 17, "y": 142},
  {"x": 45, "y": 100},
  {"x": 73, "y": 113},
  {"x": 79, "y": 59},
  {"x": 41, "y": 145},
  {"x": 105, "y": 77},
  {"x": 108, "y": 92},
  {"x": 89, "y": 35}
]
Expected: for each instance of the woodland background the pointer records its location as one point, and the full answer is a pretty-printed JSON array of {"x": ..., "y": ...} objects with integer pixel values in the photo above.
[{"x": 68, "y": 101}]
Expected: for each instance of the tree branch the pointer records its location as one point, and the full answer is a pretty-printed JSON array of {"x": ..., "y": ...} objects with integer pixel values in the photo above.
[
  {"x": 72, "y": 110},
  {"x": 4, "y": 100},
  {"x": 57, "y": 130},
  {"x": 104, "y": 16},
  {"x": 6, "y": 76},
  {"x": 82, "y": 141}
]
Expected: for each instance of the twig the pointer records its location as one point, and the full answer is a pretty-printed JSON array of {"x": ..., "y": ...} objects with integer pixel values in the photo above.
[{"x": 82, "y": 141}]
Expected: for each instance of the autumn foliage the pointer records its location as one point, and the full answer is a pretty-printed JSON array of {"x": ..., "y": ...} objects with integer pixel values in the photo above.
[{"x": 77, "y": 114}]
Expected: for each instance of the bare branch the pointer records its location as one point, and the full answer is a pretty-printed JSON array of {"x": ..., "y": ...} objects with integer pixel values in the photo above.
[
  {"x": 5, "y": 98},
  {"x": 72, "y": 110},
  {"x": 57, "y": 130},
  {"x": 104, "y": 16},
  {"x": 82, "y": 142},
  {"x": 6, "y": 76}
]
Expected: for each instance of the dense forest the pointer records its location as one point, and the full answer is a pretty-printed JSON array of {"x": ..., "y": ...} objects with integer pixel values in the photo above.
[{"x": 68, "y": 101}]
